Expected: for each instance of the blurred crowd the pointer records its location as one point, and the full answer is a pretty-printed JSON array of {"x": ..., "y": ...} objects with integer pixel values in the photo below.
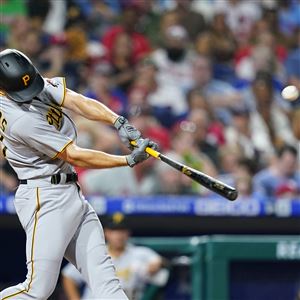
[{"x": 200, "y": 77}]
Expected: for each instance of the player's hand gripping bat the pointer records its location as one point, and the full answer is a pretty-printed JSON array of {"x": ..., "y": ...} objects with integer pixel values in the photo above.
[{"x": 212, "y": 184}]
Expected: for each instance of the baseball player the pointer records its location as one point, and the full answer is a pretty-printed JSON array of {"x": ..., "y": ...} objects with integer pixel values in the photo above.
[
  {"x": 39, "y": 142},
  {"x": 135, "y": 265}
]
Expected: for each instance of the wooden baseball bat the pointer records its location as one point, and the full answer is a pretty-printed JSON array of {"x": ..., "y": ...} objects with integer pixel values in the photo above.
[{"x": 209, "y": 182}]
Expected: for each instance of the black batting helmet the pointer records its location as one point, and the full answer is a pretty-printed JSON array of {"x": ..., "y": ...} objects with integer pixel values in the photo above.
[{"x": 18, "y": 76}]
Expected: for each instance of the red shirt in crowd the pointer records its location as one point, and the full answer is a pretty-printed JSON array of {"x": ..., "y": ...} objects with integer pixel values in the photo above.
[{"x": 140, "y": 44}]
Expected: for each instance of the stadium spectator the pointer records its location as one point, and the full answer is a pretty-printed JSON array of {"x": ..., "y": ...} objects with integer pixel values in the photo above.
[
  {"x": 51, "y": 61},
  {"x": 267, "y": 120},
  {"x": 262, "y": 57},
  {"x": 122, "y": 62},
  {"x": 220, "y": 94},
  {"x": 191, "y": 20},
  {"x": 253, "y": 145},
  {"x": 240, "y": 16},
  {"x": 243, "y": 183},
  {"x": 47, "y": 52},
  {"x": 130, "y": 18},
  {"x": 223, "y": 47},
  {"x": 135, "y": 265},
  {"x": 282, "y": 178},
  {"x": 243, "y": 174},
  {"x": 17, "y": 30},
  {"x": 150, "y": 20},
  {"x": 271, "y": 16},
  {"x": 167, "y": 101},
  {"x": 203, "y": 44},
  {"x": 100, "y": 88},
  {"x": 197, "y": 100},
  {"x": 168, "y": 18},
  {"x": 174, "y": 59},
  {"x": 184, "y": 144},
  {"x": 207, "y": 133}
]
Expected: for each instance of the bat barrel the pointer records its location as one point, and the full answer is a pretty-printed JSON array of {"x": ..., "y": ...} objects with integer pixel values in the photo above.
[
  {"x": 232, "y": 195},
  {"x": 229, "y": 193},
  {"x": 212, "y": 184}
]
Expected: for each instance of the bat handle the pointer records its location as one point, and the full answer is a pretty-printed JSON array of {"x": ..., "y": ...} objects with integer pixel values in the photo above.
[{"x": 149, "y": 150}]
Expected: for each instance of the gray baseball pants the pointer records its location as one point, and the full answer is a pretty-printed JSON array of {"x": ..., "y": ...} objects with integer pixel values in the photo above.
[{"x": 59, "y": 223}]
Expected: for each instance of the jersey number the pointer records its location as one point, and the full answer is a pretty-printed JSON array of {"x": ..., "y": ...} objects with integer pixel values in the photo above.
[
  {"x": 3, "y": 124},
  {"x": 54, "y": 116}
]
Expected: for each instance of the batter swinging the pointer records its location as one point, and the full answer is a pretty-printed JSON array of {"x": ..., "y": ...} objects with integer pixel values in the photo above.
[{"x": 39, "y": 142}]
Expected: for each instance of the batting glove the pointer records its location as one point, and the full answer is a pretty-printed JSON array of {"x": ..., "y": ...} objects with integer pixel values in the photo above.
[
  {"x": 138, "y": 154},
  {"x": 127, "y": 132},
  {"x": 151, "y": 144}
]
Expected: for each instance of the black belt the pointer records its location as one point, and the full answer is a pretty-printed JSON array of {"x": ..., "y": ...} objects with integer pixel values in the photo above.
[{"x": 57, "y": 178}]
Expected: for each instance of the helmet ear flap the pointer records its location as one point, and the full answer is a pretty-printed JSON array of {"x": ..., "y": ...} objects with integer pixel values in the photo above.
[{"x": 19, "y": 78}]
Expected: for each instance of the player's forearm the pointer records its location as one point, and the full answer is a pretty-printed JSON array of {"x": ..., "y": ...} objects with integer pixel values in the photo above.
[
  {"x": 89, "y": 108},
  {"x": 98, "y": 160},
  {"x": 96, "y": 111},
  {"x": 91, "y": 159}
]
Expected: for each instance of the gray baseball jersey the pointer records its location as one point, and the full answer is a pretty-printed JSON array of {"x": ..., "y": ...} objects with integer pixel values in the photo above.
[
  {"x": 58, "y": 221},
  {"x": 33, "y": 133}
]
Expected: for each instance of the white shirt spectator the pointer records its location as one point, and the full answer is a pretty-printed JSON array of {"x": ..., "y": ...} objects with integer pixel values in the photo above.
[{"x": 172, "y": 73}]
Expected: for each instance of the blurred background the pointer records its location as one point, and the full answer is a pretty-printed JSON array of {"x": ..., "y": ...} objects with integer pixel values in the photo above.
[{"x": 203, "y": 78}]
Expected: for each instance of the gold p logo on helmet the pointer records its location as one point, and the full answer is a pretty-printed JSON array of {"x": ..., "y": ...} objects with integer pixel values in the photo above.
[{"x": 26, "y": 78}]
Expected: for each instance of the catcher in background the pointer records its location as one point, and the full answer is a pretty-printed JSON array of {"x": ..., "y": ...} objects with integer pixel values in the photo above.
[
  {"x": 39, "y": 142},
  {"x": 135, "y": 265}
]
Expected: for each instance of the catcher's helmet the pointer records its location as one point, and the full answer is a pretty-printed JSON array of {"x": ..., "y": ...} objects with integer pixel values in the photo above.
[{"x": 18, "y": 77}]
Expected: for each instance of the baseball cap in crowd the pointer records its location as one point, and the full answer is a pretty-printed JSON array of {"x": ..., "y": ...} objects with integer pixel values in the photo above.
[{"x": 116, "y": 221}]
